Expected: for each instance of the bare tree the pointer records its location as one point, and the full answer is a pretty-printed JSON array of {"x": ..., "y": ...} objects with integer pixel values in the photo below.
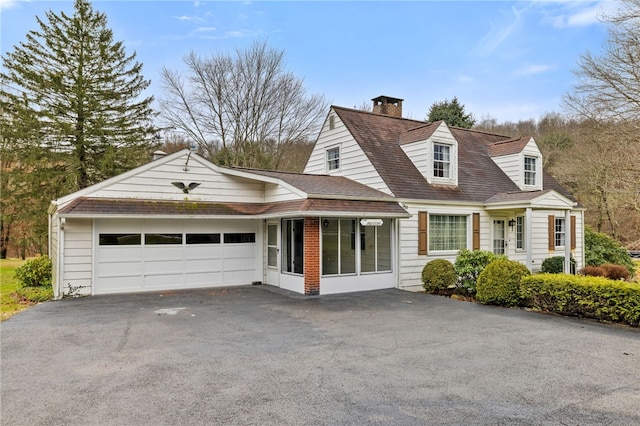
[
  {"x": 608, "y": 86},
  {"x": 241, "y": 110}
]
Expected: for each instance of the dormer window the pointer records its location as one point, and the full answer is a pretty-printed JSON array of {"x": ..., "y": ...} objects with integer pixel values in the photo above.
[
  {"x": 441, "y": 161},
  {"x": 530, "y": 171},
  {"x": 333, "y": 158}
]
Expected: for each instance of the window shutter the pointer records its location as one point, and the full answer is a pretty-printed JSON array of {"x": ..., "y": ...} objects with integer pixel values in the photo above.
[
  {"x": 476, "y": 231},
  {"x": 423, "y": 241},
  {"x": 573, "y": 232},
  {"x": 552, "y": 232}
]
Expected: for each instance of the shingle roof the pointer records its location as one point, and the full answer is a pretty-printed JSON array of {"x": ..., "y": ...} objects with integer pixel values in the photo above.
[
  {"x": 511, "y": 146},
  {"x": 323, "y": 185},
  {"x": 139, "y": 207},
  {"x": 479, "y": 177}
]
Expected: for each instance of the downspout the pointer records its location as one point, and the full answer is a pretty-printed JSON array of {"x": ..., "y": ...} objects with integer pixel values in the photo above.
[
  {"x": 528, "y": 243},
  {"x": 567, "y": 242},
  {"x": 582, "y": 256},
  {"x": 57, "y": 292},
  {"x": 396, "y": 251}
]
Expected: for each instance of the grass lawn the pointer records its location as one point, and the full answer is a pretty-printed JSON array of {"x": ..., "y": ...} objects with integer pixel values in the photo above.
[{"x": 9, "y": 302}]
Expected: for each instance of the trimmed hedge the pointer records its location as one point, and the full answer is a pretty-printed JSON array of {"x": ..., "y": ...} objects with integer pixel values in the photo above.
[
  {"x": 583, "y": 296},
  {"x": 35, "y": 272},
  {"x": 499, "y": 282},
  {"x": 438, "y": 275}
]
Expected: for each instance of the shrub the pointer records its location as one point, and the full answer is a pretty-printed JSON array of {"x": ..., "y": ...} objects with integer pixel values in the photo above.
[
  {"x": 601, "y": 249},
  {"x": 555, "y": 265},
  {"x": 35, "y": 272},
  {"x": 36, "y": 294},
  {"x": 469, "y": 264},
  {"x": 499, "y": 282},
  {"x": 615, "y": 272},
  {"x": 591, "y": 297},
  {"x": 438, "y": 275},
  {"x": 593, "y": 271}
]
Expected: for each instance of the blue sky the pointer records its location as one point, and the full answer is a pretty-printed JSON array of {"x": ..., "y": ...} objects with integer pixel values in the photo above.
[{"x": 511, "y": 60}]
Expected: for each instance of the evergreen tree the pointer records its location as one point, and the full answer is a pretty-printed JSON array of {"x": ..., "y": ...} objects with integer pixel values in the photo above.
[
  {"x": 84, "y": 90},
  {"x": 452, "y": 113},
  {"x": 72, "y": 115}
]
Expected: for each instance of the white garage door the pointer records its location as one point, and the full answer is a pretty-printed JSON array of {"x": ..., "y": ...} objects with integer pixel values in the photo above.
[{"x": 150, "y": 255}]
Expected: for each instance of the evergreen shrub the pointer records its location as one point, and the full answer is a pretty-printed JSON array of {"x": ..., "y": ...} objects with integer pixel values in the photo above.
[
  {"x": 438, "y": 275},
  {"x": 583, "y": 296},
  {"x": 35, "y": 272},
  {"x": 469, "y": 264},
  {"x": 555, "y": 265},
  {"x": 499, "y": 282}
]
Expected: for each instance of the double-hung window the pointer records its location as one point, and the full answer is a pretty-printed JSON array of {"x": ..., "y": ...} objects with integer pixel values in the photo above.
[
  {"x": 441, "y": 161},
  {"x": 530, "y": 171},
  {"x": 520, "y": 233},
  {"x": 333, "y": 158},
  {"x": 560, "y": 232}
]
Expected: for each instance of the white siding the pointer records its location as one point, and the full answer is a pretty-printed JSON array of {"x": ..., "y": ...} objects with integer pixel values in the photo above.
[
  {"x": 53, "y": 254},
  {"x": 274, "y": 193},
  {"x": 511, "y": 165},
  {"x": 77, "y": 256},
  {"x": 354, "y": 163},
  {"x": 540, "y": 235},
  {"x": 155, "y": 183},
  {"x": 421, "y": 154}
]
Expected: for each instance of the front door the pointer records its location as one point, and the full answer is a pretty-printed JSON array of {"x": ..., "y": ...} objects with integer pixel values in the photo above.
[
  {"x": 273, "y": 253},
  {"x": 499, "y": 236}
]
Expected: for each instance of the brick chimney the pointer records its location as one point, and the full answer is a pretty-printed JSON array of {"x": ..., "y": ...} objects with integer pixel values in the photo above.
[{"x": 388, "y": 106}]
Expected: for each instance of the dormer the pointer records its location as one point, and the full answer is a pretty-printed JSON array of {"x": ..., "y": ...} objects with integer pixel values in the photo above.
[
  {"x": 434, "y": 151},
  {"x": 521, "y": 160}
]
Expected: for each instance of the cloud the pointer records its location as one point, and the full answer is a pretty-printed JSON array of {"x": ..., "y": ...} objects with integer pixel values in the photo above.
[
  {"x": 204, "y": 29},
  {"x": 185, "y": 18},
  {"x": 566, "y": 14},
  {"x": 7, "y": 4},
  {"x": 533, "y": 69},
  {"x": 499, "y": 32}
]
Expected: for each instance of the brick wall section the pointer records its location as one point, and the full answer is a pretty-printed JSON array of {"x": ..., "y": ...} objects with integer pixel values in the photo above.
[{"x": 311, "y": 256}]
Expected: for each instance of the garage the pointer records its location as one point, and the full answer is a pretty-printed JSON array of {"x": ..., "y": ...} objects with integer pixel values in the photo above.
[{"x": 152, "y": 255}]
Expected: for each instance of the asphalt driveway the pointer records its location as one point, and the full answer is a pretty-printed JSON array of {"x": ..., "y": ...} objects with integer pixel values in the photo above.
[{"x": 258, "y": 356}]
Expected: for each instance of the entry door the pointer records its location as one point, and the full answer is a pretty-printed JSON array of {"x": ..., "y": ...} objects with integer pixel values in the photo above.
[
  {"x": 499, "y": 236},
  {"x": 273, "y": 253}
]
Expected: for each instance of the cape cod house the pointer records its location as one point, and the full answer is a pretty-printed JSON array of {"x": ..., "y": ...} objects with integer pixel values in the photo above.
[{"x": 380, "y": 196}]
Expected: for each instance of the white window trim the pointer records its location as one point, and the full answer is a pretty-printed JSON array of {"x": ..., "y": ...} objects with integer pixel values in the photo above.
[
  {"x": 469, "y": 237},
  {"x": 538, "y": 172},
  {"x": 524, "y": 233},
  {"x": 453, "y": 163},
  {"x": 326, "y": 158},
  {"x": 556, "y": 218}
]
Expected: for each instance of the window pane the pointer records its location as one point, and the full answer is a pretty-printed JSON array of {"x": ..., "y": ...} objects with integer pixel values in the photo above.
[
  {"x": 120, "y": 239},
  {"x": 384, "y": 246},
  {"x": 368, "y": 248},
  {"x": 293, "y": 245},
  {"x": 203, "y": 239},
  {"x": 447, "y": 232},
  {"x": 240, "y": 238},
  {"x": 154, "y": 239},
  {"x": 529, "y": 171},
  {"x": 520, "y": 232},
  {"x": 333, "y": 158},
  {"x": 441, "y": 160},
  {"x": 347, "y": 246},
  {"x": 272, "y": 256},
  {"x": 329, "y": 246},
  {"x": 272, "y": 234},
  {"x": 560, "y": 232}
]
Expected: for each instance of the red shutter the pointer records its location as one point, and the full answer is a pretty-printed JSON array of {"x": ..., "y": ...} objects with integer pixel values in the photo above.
[
  {"x": 423, "y": 241},
  {"x": 476, "y": 231},
  {"x": 552, "y": 232}
]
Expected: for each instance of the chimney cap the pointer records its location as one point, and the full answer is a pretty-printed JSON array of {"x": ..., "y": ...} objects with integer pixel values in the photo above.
[{"x": 389, "y": 99}]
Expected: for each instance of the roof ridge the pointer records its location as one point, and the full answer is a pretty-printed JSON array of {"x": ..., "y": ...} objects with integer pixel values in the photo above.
[
  {"x": 376, "y": 114},
  {"x": 509, "y": 140},
  {"x": 484, "y": 132}
]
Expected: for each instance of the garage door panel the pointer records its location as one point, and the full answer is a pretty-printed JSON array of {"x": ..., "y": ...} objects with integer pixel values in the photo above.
[
  {"x": 119, "y": 253},
  {"x": 119, "y": 284},
  {"x": 165, "y": 281},
  {"x": 196, "y": 262},
  {"x": 119, "y": 269},
  {"x": 203, "y": 265},
  {"x": 156, "y": 267}
]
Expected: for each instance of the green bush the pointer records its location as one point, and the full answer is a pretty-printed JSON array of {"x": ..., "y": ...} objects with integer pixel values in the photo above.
[
  {"x": 499, "y": 282},
  {"x": 36, "y": 294},
  {"x": 601, "y": 249},
  {"x": 35, "y": 272},
  {"x": 555, "y": 265},
  {"x": 469, "y": 264},
  {"x": 438, "y": 275},
  {"x": 584, "y": 296}
]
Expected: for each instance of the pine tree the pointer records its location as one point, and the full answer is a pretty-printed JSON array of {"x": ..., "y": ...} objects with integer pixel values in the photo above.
[
  {"x": 84, "y": 90},
  {"x": 72, "y": 114},
  {"x": 452, "y": 113}
]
